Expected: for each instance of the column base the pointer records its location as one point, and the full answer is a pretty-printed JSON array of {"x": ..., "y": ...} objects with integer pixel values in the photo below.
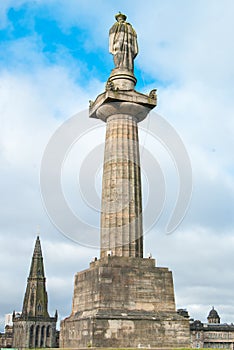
[{"x": 124, "y": 302}]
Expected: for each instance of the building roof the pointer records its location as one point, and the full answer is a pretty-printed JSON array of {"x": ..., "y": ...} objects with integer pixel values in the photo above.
[{"x": 213, "y": 313}]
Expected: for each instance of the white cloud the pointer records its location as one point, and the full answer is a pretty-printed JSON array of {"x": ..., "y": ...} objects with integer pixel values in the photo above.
[
  {"x": 187, "y": 41},
  {"x": 32, "y": 107},
  {"x": 201, "y": 261}
]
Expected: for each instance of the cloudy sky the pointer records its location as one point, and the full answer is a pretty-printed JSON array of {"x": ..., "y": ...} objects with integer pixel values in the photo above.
[{"x": 54, "y": 59}]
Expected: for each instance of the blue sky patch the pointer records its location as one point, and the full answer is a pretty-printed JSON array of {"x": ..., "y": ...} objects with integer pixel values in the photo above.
[{"x": 32, "y": 35}]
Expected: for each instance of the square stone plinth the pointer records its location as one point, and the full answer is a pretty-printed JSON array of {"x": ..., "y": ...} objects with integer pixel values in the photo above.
[{"x": 124, "y": 302}]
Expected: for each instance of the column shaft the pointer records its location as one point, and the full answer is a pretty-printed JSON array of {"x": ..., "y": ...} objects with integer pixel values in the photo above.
[{"x": 121, "y": 219}]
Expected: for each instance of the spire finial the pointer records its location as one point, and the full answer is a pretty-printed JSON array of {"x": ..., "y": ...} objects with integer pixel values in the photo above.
[{"x": 120, "y": 17}]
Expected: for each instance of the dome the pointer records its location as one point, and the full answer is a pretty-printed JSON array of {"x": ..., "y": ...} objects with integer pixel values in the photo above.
[
  {"x": 213, "y": 316},
  {"x": 213, "y": 313}
]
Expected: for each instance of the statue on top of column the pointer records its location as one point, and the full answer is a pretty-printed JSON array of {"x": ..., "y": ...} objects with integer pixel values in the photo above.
[{"x": 123, "y": 43}]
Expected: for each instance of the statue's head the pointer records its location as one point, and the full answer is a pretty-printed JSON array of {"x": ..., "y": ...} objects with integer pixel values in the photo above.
[{"x": 120, "y": 17}]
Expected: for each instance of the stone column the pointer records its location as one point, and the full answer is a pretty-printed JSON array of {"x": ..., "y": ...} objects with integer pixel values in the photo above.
[{"x": 121, "y": 218}]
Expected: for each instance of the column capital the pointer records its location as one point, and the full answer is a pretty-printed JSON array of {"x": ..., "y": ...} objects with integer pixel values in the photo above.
[
  {"x": 113, "y": 102},
  {"x": 128, "y": 109}
]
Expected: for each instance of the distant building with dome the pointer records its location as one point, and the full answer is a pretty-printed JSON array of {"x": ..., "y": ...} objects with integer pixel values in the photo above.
[
  {"x": 212, "y": 334},
  {"x": 213, "y": 316}
]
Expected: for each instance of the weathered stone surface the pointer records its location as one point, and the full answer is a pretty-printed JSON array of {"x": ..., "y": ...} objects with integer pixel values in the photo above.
[
  {"x": 161, "y": 331},
  {"x": 33, "y": 333},
  {"x": 122, "y": 302},
  {"x": 121, "y": 218},
  {"x": 6, "y": 337},
  {"x": 123, "y": 43},
  {"x": 122, "y": 102}
]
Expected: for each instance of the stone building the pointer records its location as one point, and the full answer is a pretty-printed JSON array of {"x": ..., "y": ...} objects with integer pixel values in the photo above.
[
  {"x": 123, "y": 299},
  {"x": 212, "y": 334},
  {"x": 34, "y": 327},
  {"x": 6, "y": 337}
]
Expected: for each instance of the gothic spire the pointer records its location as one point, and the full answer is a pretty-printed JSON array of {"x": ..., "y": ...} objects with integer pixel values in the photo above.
[
  {"x": 35, "y": 299},
  {"x": 37, "y": 267}
]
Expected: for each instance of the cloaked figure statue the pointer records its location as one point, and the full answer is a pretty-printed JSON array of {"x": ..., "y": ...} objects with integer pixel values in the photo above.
[{"x": 123, "y": 43}]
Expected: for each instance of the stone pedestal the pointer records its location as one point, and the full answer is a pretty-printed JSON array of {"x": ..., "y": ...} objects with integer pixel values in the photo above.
[
  {"x": 124, "y": 302},
  {"x": 122, "y": 79}
]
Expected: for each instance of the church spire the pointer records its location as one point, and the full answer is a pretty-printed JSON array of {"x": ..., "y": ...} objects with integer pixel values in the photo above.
[
  {"x": 35, "y": 299},
  {"x": 37, "y": 267},
  {"x": 34, "y": 328}
]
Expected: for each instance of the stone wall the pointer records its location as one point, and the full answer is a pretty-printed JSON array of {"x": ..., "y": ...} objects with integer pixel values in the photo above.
[
  {"x": 34, "y": 333},
  {"x": 124, "y": 284},
  {"x": 124, "y": 302},
  {"x": 6, "y": 338},
  {"x": 126, "y": 330}
]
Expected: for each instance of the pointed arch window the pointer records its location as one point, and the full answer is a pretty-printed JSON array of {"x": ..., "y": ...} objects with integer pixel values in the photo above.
[
  {"x": 48, "y": 336},
  {"x": 37, "y": 336},
  {"x": 31, "y": 337},
  {"x": 42, "y": 336},
  {"x": 39, "y": 307}
]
